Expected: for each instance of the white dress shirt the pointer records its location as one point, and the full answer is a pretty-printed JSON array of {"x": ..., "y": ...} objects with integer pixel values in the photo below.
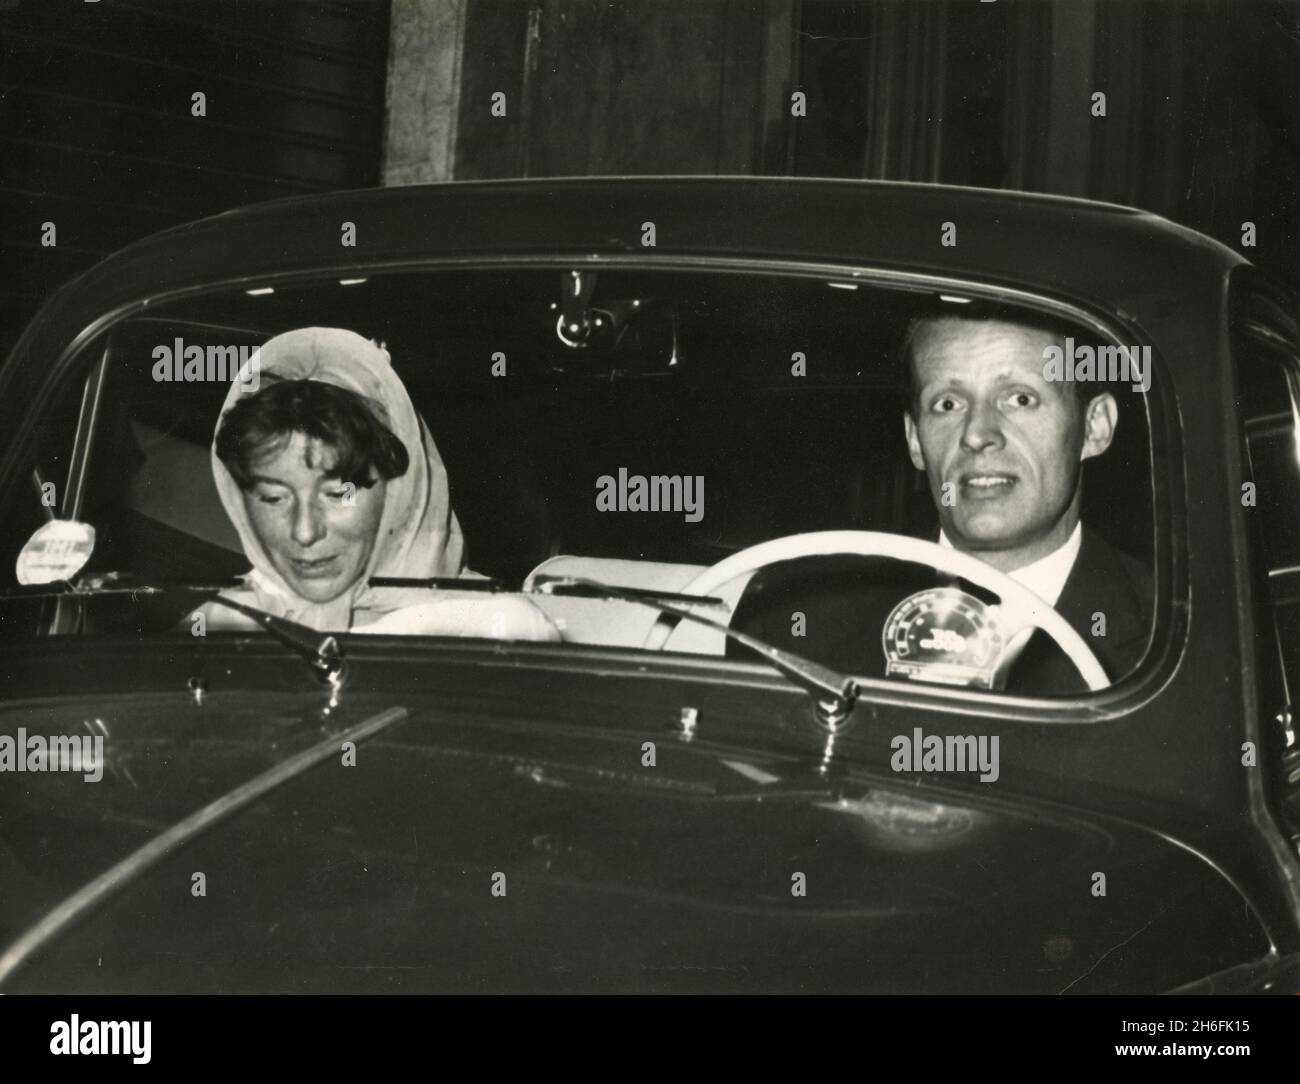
[{"x": 1045, "y": 577}]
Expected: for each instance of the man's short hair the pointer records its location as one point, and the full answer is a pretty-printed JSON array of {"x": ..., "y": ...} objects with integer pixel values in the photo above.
[{"x": 982, "y": 312}]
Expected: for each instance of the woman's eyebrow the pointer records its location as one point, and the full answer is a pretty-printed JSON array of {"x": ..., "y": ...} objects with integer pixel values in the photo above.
[{"x": 264, "y": 480}]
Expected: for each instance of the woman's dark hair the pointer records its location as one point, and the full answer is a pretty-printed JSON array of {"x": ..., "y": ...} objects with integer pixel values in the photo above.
[{"x": 364, "y": 447}]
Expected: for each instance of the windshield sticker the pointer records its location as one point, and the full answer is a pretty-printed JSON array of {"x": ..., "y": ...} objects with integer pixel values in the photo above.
[{"x": 57, "y": 551}]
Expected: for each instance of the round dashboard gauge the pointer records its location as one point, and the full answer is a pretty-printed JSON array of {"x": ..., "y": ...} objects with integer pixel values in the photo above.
[{"x": 945, "y": 635}]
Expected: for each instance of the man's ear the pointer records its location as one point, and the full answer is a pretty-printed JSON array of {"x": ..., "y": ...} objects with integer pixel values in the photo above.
[
  {"x": 1099, "y": 424},
  {"x": 913, "y": 441}
]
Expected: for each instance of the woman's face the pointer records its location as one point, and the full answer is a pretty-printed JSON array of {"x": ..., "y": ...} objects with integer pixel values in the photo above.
[{"x": 318, "y": 531}]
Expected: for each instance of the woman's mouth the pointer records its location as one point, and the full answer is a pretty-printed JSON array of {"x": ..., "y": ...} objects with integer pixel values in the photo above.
[{"x": 316, "y": 568}]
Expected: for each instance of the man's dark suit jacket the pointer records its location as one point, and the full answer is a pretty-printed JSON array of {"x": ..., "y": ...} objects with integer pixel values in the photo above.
[{"x": 846, "y": 601}]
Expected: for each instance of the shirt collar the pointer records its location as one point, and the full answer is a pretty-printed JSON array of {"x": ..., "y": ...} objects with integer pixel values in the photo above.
[{"x": 1045, "y": 577}]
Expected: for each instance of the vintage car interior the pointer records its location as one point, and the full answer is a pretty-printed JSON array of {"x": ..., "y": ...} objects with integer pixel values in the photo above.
[{"x": 782, "y": 393}]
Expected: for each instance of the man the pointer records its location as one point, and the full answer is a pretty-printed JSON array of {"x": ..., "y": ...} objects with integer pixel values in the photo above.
[{"x": 1003, "y": 449}]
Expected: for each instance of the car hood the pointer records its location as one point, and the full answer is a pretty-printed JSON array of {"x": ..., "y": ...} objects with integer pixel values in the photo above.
[{"x": 565, "y": 841}]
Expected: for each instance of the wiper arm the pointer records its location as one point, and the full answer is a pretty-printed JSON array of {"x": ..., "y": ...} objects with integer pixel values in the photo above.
[
  {"x": 577, "y": 587},
  {"x": 834, "y": 693},
  {"x": 321, "y": 650},
  {"x": 114, "y": 583},
  {"x": 120, "y": 583},
  {"x": 456, "y": 583}
]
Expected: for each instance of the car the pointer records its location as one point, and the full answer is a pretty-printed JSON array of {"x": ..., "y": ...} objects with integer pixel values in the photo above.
[{"x": 646, "y": 391}]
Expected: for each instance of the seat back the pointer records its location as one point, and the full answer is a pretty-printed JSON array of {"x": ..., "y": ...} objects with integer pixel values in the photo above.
[{"x": 174, "y": 486}]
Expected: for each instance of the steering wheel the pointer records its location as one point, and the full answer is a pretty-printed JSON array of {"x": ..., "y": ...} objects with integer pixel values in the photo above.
[{"x": 1021, "y": 610}]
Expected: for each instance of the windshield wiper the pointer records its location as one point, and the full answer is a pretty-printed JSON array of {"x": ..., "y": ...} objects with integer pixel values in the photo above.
[
  {"x": 321, "y": 650},
  {"x": 577, "y": 587},
  {"x": 121, "y": 583},
  {"x": 834, "y": 694},
  {"x": 456, "y": 583},
  {"x": 114, "y": 583}
]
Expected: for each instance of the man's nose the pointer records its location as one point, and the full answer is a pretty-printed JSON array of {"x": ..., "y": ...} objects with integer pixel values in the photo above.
[
  {"x": 983, "y": 428},
  {"x": 308, "y": 524}
]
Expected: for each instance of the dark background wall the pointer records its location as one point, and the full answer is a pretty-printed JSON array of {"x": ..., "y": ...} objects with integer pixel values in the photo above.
[
  {"x": 1202, "y": 116},
  {"x": 97, "y": 134},
  {"x": 1202, "y": 119},
  {"x": 594, "y": 87}
]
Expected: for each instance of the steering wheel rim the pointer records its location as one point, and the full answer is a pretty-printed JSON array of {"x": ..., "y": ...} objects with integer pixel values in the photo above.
[{"x": 1021, "y": 606}]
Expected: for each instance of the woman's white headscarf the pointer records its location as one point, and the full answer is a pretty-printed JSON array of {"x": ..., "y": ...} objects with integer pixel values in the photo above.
[{"x": 418, "y": 534}]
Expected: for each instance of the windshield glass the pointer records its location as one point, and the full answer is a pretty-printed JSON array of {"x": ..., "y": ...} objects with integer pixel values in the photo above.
[{"x": 385, "y": 437}]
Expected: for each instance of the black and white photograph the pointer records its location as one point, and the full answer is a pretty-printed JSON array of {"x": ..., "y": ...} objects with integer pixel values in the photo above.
[{"x": 650, "y": 497}]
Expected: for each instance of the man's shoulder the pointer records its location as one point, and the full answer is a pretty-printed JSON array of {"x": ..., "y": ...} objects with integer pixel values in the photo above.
[
  {"x": 1109, "y": 581},
  {"x": 1104, "y": 582},
  {"x": 1098, "y": 558}
]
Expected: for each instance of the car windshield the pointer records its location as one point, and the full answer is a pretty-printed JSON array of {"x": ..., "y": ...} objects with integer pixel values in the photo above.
[{"x": 604, "y": 425}]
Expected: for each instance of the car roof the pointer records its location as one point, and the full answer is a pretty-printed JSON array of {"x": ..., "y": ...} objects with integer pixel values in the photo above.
[
  {"x": 1124, "y": 262},
  {"x": 1076, "y": 246}
]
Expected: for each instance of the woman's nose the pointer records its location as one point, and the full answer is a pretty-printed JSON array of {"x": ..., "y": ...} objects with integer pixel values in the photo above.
[
  {"x": 308, "y": 524},
  {"x": 983, "y": 428}
]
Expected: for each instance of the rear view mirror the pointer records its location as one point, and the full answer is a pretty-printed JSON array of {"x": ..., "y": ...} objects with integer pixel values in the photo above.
[{"x": 629, "y": 336}]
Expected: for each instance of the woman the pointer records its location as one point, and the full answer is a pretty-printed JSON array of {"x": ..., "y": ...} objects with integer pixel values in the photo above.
[{"x": 330, "y": 477}]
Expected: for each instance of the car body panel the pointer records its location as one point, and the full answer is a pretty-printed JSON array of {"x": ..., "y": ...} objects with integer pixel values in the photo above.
[{"x": 618, "y": 876}]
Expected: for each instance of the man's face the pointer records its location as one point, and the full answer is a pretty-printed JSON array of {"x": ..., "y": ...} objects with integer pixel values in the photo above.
[{"x": 1002, "y": 447}]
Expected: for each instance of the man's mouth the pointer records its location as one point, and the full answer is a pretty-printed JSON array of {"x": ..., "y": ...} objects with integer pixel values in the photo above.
[
  {"x": 988, "y": 485},
  {"x": 318, "y": 567}
]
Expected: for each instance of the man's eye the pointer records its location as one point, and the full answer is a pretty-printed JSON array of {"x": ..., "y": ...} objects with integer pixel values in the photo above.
[
  {"x": 1023, "y": 399},
  {"x": 945, "y": 404}
]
